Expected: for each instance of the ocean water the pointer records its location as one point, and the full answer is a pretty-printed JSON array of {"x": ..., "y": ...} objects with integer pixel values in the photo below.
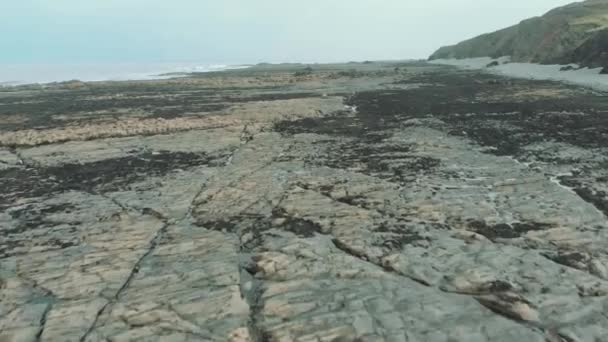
[{"x": 17, "y": 74}]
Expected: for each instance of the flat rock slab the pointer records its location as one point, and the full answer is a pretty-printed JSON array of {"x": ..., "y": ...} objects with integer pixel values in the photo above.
[{"x": 396, "y": 202}]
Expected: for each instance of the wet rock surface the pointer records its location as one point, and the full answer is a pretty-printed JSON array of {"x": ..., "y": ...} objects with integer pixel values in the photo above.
[{"x": 382, "y": 205}]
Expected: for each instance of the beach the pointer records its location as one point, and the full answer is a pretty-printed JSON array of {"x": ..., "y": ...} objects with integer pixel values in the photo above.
[{"x": 588, "y": 77}]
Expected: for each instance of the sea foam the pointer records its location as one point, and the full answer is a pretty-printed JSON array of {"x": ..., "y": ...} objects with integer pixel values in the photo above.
[{"x": 19, "y": 74}]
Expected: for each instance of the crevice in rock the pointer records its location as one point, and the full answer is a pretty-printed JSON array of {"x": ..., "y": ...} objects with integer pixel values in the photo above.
[
  {"x": 246, "y": 137},
  {"x": 566, "y": 338},
  {"x": 123, "y": 207},
  {"x": 34, "y": 284},
  {"x": 250, "y": 292},
  {"x": 43, "y": 319},
  {"x": 210, "y": 197},
  {"x": 514, "y": 308},
  {"x": 575, "y": 260},
  {"x": 350, "y": 200},
  {"x": 252, "y": 289},
  {"x": 94, "y": 324},
  {"x": 552, "y": 335},
  {"x": 192, "y": 202},
  {"x": 199, "y": 334},
  {"x": 151, "y": 247},
  {"x": 153, "y": 244},
  {"x": 236, "y": 181},
  {"x": 346, "y": 249}
]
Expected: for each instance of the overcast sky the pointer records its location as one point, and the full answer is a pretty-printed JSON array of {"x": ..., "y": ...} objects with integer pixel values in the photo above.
[{"x": 246, "y": 31}]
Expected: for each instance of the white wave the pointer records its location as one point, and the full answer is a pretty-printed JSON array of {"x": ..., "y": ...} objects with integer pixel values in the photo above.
[{"x": 18, "y": 74}]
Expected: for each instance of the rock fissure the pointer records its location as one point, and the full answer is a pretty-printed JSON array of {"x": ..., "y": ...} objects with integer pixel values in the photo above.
[
  {"x": 93, "y": 325},
  {"x": 252, "y": 291},
  {"x": 251, "y": 287},
  {"x": 116, "y": 297},
  {"x": 573, "y": 260},
  {"x": 361, "y": 256},
  {"x": 43, "y": 320}
]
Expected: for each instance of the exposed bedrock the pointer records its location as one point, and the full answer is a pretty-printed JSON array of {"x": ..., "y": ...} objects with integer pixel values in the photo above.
[{"x": 430, "y": 205}]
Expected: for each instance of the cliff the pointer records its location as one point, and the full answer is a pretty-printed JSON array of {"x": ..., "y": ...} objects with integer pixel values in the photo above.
[{"x": 576, "y": 33}]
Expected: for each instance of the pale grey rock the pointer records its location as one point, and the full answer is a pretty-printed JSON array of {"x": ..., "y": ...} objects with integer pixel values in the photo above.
[{"x": 8, "y": 159}]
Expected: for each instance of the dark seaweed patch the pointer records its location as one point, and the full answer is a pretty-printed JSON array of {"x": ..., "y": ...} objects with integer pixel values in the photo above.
[
  {"x": 499, "y": 286},
  {"x": 458, "y": 99},
  {"x": 227, "y": 226},
  {"x": 598, "y": 199},
  {"x": 240, "y": 225},
  {"x": 114, "y": 174},
  {"x": 104, "y": 175},
  {"x": 269, "y": 97},
  {"x": 571, "y": 259},
  {"x": 396, "y": 242},
  {"x": 180, "y": 111},
  {"x": 78, "y": 105},
  {"x": 62, "y": 244},
  {"x": 505, "y": 231},
  {"x": 256, "y": 225},
  {"x": 301, "y": 227},
  {"x": 396, "y": 235},
  {"x": 366, "y": 152},
  {"x": 336, "y": 124},
  {"x": 33, "y": 217},
  {"x": 376, "y": 160}
]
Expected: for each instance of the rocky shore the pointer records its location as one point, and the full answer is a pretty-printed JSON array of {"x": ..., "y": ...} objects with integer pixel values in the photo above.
[{"x": 357, "y": 202}]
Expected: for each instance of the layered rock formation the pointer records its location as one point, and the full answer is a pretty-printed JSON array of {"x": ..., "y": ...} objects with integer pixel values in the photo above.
[
  {"x": 427, "y": 205},
  {"x": 571, "y": 34}
]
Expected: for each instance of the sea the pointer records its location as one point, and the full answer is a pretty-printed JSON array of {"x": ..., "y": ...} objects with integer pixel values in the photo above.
[{"x": 19, "y": 74}]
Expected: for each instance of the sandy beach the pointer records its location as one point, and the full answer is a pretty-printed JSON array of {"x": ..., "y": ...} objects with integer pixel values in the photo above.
[{"x": 579, "y": 76}]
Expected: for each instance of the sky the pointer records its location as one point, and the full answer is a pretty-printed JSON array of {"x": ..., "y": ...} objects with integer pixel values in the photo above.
[{"x": 246, "y": 31}]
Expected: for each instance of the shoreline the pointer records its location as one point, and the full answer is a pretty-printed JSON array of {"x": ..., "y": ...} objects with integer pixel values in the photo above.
[
  {"x": 585, "y": 77},
  {"x": 161, "y": 71},
  {"x": 45, "y": 74}
]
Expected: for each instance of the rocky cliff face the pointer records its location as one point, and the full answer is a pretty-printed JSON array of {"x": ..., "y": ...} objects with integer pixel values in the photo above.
[{"x": 576, "y": 33}]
